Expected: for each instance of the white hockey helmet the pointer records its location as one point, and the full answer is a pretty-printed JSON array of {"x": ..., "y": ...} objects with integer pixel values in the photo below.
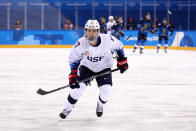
[
  {"x": 110, "y": 18},
  {"x": 92, "y": 24}
]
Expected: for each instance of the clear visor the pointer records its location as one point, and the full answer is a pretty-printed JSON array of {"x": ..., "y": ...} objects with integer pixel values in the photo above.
[{"x": 91, "y": 38}]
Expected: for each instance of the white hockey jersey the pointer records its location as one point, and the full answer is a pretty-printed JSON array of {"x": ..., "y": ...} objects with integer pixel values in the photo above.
[
  {"x": 95, "y": 58},
  {"x": 109, "y": 27}
]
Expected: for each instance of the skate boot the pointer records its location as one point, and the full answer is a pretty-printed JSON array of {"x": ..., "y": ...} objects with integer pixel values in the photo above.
[
  {"x": 134, "y": 50},
  {"x": 165, "y": 50},
  {"x": 157, "y": 51},
  {"x": 64, "y": 114},
  {"x": 141, "y": 52},
  {"x": 99, "y": 110}
]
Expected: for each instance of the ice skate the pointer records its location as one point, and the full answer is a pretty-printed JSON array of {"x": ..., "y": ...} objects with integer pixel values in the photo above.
[
  {"x": 141, "y": 52},
  {"x": 134, "y": 50},
  {"x": 99, "y": 110},
  {"x": 165, "y": 50},
  {"x": 64, "y": 114},
  {"x": 157, "y": 51}
]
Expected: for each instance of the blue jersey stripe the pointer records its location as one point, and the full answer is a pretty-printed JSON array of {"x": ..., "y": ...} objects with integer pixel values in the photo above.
[{"x": 75, "y": 65}]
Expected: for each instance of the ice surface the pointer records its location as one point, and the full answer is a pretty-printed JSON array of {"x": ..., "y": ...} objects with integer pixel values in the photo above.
[{"x": 157, "y": 93}]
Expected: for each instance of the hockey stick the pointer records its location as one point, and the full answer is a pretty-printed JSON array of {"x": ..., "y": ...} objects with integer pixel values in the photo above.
[
  {"x": 169, "y": 15},
  {"x": 120, "y": 33},
  {"x": 43, "y": 92},
  {"x": 168, "y": 20},
  {"x": 169, "y": 12},
  {"x": 127, "y": 37}
]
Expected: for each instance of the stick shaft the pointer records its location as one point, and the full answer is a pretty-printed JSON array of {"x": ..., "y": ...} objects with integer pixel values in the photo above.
[{"x": 43, "y": 92}]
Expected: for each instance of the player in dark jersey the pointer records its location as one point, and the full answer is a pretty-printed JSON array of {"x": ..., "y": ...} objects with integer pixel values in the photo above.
[
  {"x": 103, "y": 27},
  {"x": 144, "y": 26},
  {"x": 117, "y": 28},
  {"x": 163, "y": 30}
]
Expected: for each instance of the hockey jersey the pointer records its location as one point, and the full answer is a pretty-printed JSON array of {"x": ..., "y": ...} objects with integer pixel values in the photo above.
[
  {"x": 96, "y": 58},
  {"x": 145, "y": 26},
  {"x": 163, "y": 30},
  {"x": 109, "y": 27}
]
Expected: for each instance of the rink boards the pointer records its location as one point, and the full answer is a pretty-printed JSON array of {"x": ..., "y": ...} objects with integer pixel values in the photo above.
[
  {"x": 70, "y": 46},
  {"x": 65, "y": 39}
]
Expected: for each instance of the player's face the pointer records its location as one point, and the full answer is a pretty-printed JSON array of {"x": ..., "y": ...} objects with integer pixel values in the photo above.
[
  {"x": 103, "y": 20},
  {"x": 91, "y": 34},
  {"x": 120, "y": 20},
  {"x": 164, "y": 22},
  {"x": 148, "y": 17},
  {"x": 18, "y": 21},
  {"x": 111, "y": 20}
]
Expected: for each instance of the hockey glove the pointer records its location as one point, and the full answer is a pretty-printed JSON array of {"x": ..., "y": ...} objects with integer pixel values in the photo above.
[
  {"x": 152, "y": 32},
  {"x": 72, "y": 79},
  {"x": 121, "y": 33},
  {"x": 122, "y": 64},
  {"x": 171, "y": 35}
]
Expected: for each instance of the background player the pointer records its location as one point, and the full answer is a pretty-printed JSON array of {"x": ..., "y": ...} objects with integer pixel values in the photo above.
[
  {"x": 110, "y": 24},
  {"x": 163, "y": 29},
  {"x": 117, "y": 27},
  {"x": 92, "y": 55},
  {"x": 103, "y": 27},
  {"x": 144, "y": 26}
]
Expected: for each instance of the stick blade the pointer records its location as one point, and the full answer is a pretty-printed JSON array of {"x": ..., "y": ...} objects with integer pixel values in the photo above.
[
  {"x": 169, "y": 12},
  {"x": 129, "y": 38},
  {"x": 41, "y": 92}
]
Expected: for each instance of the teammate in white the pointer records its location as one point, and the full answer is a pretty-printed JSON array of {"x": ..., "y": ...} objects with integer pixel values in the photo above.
[
  {"x": 110, "y": 23},
  {"x": 89, "y": 56}
]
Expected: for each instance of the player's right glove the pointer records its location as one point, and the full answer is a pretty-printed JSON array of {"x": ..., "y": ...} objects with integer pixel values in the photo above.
[
  {"x": 121, "y": 33},
  {"x": 122, "y": 64},
  {"x": 152, "y": 32},
  {"x": 171, "y": 35},
  {"x": 72, "y": 79}
]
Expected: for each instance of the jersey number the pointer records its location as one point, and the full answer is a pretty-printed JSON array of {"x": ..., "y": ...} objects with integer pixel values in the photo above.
[
  {"x": 111, "y": 38},
  {"x": 77, "y": 44}
]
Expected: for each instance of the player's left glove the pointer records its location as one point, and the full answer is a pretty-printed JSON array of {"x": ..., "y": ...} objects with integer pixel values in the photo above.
[
  {"x": 152, "y": 32},
  {"x": 121, "y": 33},
  {"x": 122, "y": 64}
]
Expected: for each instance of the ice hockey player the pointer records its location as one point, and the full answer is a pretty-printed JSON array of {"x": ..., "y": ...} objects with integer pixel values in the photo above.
[
  {"x": 110, "y": 24},
  {"x": 163, "y": 30},
  {"x": 144, "y": 26},
  {"x": 91, "y": 55},
  {"x": 117, "y": 28},
  {"x": 103, "y": 27}
]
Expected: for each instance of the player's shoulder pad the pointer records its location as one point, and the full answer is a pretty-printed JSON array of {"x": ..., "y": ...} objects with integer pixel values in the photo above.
[
  {"x": 79, "y": 42},
  {"x": 81, "y": 39},
  {"x": 107, "y": 37},
  {"x": 104, "y": 36}
]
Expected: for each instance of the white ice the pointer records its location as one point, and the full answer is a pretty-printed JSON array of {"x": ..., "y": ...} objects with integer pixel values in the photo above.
[{"x": 157, "y": 93}]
